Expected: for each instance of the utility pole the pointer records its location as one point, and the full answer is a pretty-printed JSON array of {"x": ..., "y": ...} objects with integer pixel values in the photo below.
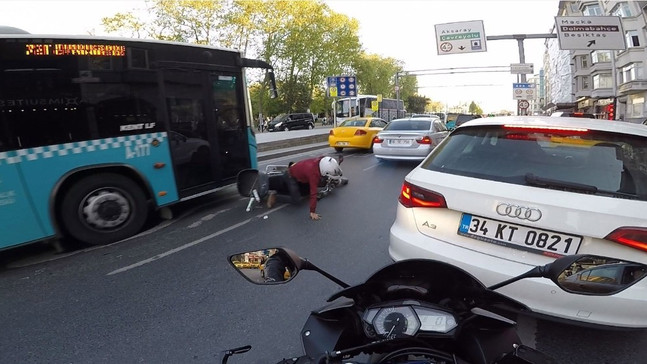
[{"x": 522, "y": 57}]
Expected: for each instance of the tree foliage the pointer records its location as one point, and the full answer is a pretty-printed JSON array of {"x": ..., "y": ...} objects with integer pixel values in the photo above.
[
  {"x": 417, "y": 104},
  {"x": 305, "y": 41},
  {"x": 475, "y": 109}
]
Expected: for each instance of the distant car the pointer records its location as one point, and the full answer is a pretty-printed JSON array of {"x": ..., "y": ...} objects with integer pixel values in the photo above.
[
  {"x": 501, "y": 195},
  {"x": 455, "y": 120},
  {"x": 463, "y": 118},
  {"x": 284, "y": 122},
  {"x": 409, "y": 138},
  {"x": 572, "y": 114},
  {"x": 355, "y": 133}
]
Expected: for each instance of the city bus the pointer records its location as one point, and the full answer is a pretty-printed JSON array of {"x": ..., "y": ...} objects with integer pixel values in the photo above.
[
  {"x": 361, "y": 105},
  {"x": 96, "y": 133}
]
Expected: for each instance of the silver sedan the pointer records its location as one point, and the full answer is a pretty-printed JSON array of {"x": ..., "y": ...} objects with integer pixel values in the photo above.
[{"x": 409, "y": 138}]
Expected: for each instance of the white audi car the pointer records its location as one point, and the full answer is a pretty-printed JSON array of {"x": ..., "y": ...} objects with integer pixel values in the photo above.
[{"x": 501, "y": 195}]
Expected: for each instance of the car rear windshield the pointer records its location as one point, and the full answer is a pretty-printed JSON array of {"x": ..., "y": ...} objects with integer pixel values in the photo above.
[
  {"x": 357, "y": 122},
  {"x": 409, "y": 124},
  {"x": 582, "y": 161}
]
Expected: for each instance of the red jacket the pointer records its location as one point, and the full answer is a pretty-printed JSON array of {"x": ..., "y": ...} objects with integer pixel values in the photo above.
[{"x": 307, "y": 171}]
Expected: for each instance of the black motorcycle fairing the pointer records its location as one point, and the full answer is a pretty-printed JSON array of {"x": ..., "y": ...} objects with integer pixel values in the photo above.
[
  {"x": 486, "y": 346},
  {"x": 428, "y": 280},
  {"x": 330, "y": 310},
  {"x": 334, "y": 327}
]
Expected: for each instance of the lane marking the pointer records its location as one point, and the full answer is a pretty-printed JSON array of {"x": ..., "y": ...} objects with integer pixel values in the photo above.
[
  {"x": 371, "y": 167},
  {"x": 207, "y": 218},
  {"x": 178, "y": 249},
  {"x": 193, "y": 243}
]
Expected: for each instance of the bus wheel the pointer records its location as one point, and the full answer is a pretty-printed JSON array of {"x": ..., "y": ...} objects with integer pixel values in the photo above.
[
  {"x": 339, "y": 149},
  {"x": 104, "y": 208}
]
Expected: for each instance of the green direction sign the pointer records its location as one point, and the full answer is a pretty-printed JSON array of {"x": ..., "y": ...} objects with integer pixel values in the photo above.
[{"x": 460, "y": 36}]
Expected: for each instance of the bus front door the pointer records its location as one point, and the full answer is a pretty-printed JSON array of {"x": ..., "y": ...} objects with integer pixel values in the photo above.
[
  {"x": 231, "y": 124},
  {"x": 192, "y": 138}
]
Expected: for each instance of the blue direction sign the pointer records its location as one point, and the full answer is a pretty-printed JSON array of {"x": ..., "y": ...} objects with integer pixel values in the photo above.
[
  {"x": 523, "y": 91},
  {"x": 342, "y": 86}
]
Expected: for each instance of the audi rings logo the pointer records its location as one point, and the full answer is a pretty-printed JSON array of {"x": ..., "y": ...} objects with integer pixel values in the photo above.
[{"x": 519, "y": 212}]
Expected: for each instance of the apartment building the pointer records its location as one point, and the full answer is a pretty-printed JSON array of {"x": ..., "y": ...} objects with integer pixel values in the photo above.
[{"x": 607, "y": 83}]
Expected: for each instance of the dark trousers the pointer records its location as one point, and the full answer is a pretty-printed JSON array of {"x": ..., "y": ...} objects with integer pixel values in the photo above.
[{"x": 294, "y": 188}]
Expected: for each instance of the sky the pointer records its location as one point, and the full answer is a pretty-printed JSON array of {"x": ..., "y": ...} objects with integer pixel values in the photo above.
[{"x": 401, "y": 29}]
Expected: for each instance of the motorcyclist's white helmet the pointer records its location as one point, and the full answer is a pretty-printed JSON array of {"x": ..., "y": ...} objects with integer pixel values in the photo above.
[{"x": 329, "y": 167}]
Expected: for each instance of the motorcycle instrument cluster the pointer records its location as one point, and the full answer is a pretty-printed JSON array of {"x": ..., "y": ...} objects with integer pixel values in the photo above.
[{"x": 396, "y": 321}]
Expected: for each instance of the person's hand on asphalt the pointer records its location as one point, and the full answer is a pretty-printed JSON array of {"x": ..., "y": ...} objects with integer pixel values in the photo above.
[{"x": 314, "y": 216}]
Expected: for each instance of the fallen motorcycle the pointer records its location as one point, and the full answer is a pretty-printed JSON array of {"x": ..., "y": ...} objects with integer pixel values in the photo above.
[
  {"x": 424, "y": 311},
  {"x": 258, "y": 186}
]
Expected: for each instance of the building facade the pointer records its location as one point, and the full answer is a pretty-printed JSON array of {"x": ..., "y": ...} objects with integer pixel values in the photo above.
[{"x": 612, "y": 84}]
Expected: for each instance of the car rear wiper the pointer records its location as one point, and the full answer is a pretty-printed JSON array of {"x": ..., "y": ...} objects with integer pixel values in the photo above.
[{"x": 533, "y": 180}]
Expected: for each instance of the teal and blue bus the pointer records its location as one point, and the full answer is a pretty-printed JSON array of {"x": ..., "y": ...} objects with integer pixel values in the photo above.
[{"x": 97, "y": 132}]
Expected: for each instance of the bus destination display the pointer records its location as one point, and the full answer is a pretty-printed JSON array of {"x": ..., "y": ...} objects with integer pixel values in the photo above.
[{"x": 107, "y": 50}]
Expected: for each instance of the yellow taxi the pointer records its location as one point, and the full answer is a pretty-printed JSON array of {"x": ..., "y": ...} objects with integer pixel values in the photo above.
[{"x": 357, "y": 132}]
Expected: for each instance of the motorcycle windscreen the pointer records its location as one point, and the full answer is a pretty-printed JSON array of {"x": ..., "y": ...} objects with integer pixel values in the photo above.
[{"x": 428, "y": 280}]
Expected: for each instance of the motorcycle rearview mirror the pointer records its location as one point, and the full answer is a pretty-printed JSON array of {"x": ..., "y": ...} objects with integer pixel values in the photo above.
[
  {"x": 599, "y": 276},
  {"x": 265, "y": 266},
  {"x": 586, "y": 274},
  {"x": 274, "y": 265}
]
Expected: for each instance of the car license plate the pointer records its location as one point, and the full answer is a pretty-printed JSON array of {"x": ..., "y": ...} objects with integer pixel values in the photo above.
[
  {"x": 400, "y": 142},
  {"x": 539, "y": 241},
  {"x": 342, "y": 143}
]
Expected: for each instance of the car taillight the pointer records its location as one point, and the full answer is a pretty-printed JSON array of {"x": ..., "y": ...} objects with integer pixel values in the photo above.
[
  {"x": 635, "y": 237},
  {"x": 424, "y": 140},
  {"x": 414, "y": 196},
  {"x": 331, "y": 132},
  {"x": 377, "y": 140},
  {"x": 360, "y": 132}
]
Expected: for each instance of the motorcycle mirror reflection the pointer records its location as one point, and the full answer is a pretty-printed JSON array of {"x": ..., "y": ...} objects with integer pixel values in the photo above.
[
  {"x": 600, "y": 276},
  {"x": 265, "y": 266}
]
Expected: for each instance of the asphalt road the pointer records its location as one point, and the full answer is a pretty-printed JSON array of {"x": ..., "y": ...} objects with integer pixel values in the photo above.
[{"x": 169, "y": 295}]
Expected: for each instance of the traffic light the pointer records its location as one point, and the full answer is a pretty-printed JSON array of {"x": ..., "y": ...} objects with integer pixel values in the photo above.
[{"x": 611, "y": 110}]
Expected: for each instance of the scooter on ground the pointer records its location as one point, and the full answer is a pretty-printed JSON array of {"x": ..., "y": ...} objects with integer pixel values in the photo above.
[
  {"x": 259, "y": 186},
  {"x": 422, "y": 311}
]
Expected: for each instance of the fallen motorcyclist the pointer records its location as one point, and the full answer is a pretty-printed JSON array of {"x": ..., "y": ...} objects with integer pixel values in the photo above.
[{"x": 310, "y": 173}]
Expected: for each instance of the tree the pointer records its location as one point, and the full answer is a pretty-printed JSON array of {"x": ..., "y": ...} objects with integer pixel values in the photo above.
[
  {"x": 194, "y": 21},
  {"x": 435, "y": 106},
  {"x": 475, "y": 109},
  {"x": 376, "y": 75},
  {"x": 416, "y": 104},
  {"x": 305, "y": 41}
]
